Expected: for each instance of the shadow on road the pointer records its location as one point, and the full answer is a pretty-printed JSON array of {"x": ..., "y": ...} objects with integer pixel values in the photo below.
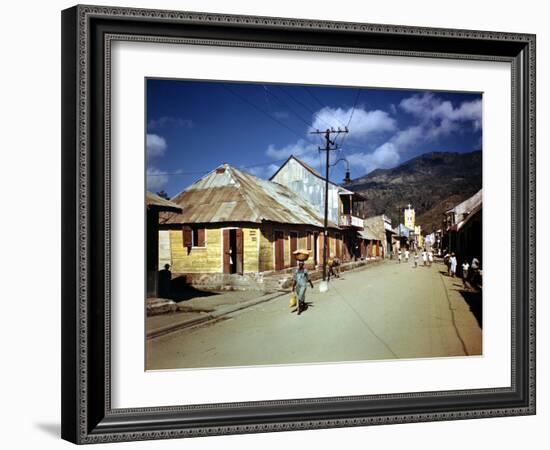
[
  {"x": 474, "y": 301},
  {"x": 306, "y": 306},
  {"x": 180, "y": 290}
]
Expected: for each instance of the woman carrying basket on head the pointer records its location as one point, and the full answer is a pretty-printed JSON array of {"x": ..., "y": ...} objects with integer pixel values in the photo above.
[{"x": 301, "y": 280}]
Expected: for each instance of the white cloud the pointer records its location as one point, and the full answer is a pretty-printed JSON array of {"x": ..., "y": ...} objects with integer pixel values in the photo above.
[
  {"x": 385, "y": 156},
  {"x": 299, "y": 148},
  {"x": 430, "y": 107},
  {"x": 169, "y": 122},
  {"x": 436, "y": 119},
  {"x": 407, "y": 137},
  {"x": 156, "y": 180},
  {"x": 262, "y": 171},
  {"x": 156, "y": 145},
  {"x": 362, "y": 122}
]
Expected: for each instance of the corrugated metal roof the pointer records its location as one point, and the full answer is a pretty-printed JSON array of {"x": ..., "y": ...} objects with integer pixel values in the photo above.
[
  {"x": 468, "y": 217},
  {"x": 154, "y": 200},
  {"x": 230, "y": 195},
  {"x": 468, "y": 205}
]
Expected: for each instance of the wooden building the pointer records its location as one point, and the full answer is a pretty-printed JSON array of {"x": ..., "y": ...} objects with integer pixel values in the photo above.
[
  {"x": 344, "y": 206},
  {"x": 463, "y": 233},
  {"x": 155, "y": 205},
  {"x": 235, "y": 223},
  {"x": 381, "y": 229}
]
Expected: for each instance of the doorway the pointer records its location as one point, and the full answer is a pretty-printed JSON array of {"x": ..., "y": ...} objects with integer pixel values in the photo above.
[{"x": 233, "y": 251}]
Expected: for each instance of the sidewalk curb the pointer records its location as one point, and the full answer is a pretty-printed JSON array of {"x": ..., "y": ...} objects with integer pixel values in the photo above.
[
  {"x": 160, "y": 331},
  {"x": 215, "y": 315}
]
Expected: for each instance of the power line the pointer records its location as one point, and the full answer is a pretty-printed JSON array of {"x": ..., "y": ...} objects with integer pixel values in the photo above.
[
  {"x": 303, "y": 105},
  {"x": 350, "y": 117},
  {"x": 320, "y": 103},
  {"x": 261, "y": 110},
  {"x": 288, "y": 106}
]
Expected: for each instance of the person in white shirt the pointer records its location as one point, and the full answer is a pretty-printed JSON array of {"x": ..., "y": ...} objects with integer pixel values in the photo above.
[
  {"x": 407, "y": 255},
  {"x": 452, "y": 264},
  {"x": 424, "y": 257}
]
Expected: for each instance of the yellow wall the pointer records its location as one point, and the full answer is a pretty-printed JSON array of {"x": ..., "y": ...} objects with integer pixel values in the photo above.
[
  {"x": 208, "y": 259},
  {"x": 258, "y": 250},
  {"x": 198, "y": 259},
  {"x": 266, "y": 249},
  {"x": 251, "y": 238}
]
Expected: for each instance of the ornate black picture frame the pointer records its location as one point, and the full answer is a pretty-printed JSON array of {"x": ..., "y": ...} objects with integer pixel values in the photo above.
[{"x": 87, "y": 34}]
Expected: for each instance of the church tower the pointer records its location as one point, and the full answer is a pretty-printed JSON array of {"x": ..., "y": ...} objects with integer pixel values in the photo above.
[{"x": 409, "y": 217}]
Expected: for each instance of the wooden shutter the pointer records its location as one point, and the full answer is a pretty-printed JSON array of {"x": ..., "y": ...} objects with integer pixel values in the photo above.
[
  {"x": 279, "y": 250},
  {"x": 240, "y": 256},
  {"x": 201, "y": 240},
  {"x": 308, "y": 240},
  {"x": 187, "y": 236}
]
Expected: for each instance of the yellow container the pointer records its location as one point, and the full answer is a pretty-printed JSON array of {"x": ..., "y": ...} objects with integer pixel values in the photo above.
[{"x": 293, "y": 300}]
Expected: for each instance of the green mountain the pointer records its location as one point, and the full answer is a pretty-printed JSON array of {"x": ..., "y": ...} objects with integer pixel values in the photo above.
[{"x": 430, "y": 183}]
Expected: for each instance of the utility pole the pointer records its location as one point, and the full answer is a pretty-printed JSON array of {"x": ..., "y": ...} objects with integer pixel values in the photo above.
[{"x": 330, "y": 145}]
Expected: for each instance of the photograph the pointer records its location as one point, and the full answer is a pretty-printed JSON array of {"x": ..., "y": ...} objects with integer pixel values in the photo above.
[{"x": 310, "y": 224}]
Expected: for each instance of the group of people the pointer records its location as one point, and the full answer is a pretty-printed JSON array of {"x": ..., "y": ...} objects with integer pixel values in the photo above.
[
  {"x": 427, "y": 257},
  {"x": 470, "y": 271}
]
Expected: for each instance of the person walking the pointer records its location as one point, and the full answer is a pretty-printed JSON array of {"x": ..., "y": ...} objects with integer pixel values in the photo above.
[
  {"x": 474, "y": 272},
  {"x": 430, "y": 258},
  {"x": 415, "y": 259},
  {"x": 399, "y": 256},
  {"x": 407, "y": 255},
  {"x": 424, "y": 257},
  {"x": 452, "y": 265},
  {"x": 465, "y": 268},
  {"x": 333, "y": 268},
  {"x": 299, "y": 285},
  {"x": 447, "y": 261}
]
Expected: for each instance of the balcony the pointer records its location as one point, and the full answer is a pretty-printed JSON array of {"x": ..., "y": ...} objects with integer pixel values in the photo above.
[{"x": 347, "y": 220}]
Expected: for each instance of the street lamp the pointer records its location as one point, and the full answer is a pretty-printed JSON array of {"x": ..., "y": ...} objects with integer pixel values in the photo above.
[{"x": 347, "y": 178}]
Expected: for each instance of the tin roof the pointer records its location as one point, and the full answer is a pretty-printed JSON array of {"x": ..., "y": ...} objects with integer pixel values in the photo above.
[
  {"x": 228, "y": 194},
  {"x": 161, "y": 204},
  {"x": 469, "y": 217},
  {"x": 467, "y": 205}
]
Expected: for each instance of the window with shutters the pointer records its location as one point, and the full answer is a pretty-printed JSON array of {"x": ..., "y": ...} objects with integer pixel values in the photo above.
[{"x": 199, "y": 237}]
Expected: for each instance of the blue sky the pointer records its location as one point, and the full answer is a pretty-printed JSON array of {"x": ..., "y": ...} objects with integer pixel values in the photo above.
[{"x": 193, "y": 126}]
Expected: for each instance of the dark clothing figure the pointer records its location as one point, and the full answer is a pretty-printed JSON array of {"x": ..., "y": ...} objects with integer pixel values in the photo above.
[
  {"x": 164, "y": 280},
  {"x": 333, "y": 268},
  {"x": 299, "y": 285}
]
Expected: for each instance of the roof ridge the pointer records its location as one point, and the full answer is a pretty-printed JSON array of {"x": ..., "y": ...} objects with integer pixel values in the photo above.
[{"x": 242, "y": 192}]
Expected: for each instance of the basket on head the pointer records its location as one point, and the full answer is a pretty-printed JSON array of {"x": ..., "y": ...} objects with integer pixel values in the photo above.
[{"x": 301, "y": 254}]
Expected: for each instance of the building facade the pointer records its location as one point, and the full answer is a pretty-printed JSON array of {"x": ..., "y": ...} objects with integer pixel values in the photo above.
[
  {"x": 344, "y": 206},
  {"x": 234, "y": 223}
]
